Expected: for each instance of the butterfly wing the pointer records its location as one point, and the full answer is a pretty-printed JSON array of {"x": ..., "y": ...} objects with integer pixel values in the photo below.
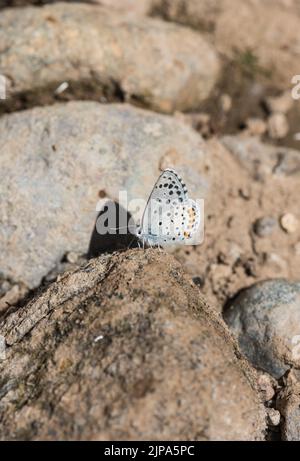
[
  {"x": 169, "y": 186},
  {"x": 186, "y": 222},
  {"x": 170, "y": 216}
]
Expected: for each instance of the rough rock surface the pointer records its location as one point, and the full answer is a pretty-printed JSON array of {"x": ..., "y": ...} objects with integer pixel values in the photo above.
[
  {"x": 125, "y": 348},
  {"x": 266, "y": 321},
  {"x": 56, "y": 161},
  {"x": 163, "y": 66},
  {"x": 288, "y": 402},
  {"x": 264, "y": 34},
  {"x": 129, "y": 7}
]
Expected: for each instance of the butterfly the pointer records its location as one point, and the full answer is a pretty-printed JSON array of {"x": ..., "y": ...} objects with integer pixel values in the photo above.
[{"x": 170, "y": 216}]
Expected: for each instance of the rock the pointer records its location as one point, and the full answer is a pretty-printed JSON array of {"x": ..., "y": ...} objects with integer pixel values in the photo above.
[
  {"x": 231, "y": 213},
  {"x": 11, "y": 297},
  {"x": 266, "y": 385},
  {"x": 256, "y": 126},
  {"x": 281, "y": 104},
  {"x": 278, "y": 126},
  {"x": 265, "y": 318},
  {"x": 291, "y": 412},
  {"x": 160, "y": 65},
  {"x": 226, "y": 102},
  {"x": 5, "y": 287},
  {"x": 262, "y": 35},
  {"x": 199, "y": 15},
  {"x": 72, "y": 257},
  {"x": 262, "y": 160},
  {"x": 288, "y": 403},
  {"x": 264, "y": 227},
  {"x": 56, "y": 160},
  {"x": 200, "y": 121},
  {"x": 273, "y": 417},
  {"x": 128, "y": 7},
  {"x": 119, "y": 346},
  {"x": 289, "y": 223}
]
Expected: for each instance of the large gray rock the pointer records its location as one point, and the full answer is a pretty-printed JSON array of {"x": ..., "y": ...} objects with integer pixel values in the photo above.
[
  {"x": 161, "y": 65},
  {"x": 125, "y": 348},
  {"x": 265, "y": 318},
  {"x": 54, "y": 162}
]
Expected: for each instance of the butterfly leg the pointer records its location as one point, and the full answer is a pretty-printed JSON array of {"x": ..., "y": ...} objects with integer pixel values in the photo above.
[{"x": 131, "y": 242}]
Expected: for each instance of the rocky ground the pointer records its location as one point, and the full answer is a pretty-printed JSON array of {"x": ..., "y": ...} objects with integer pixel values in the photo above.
[{"x": 101, "y": 97}]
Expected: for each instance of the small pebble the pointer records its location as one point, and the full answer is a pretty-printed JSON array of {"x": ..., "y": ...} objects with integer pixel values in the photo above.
[
  {"x": 61, "y": 88},
  {"x": 4, "y": 287},
  {"x": 266, "y": 386},
  {"x": 11, "y": 297},
  {"x": 226, "y": 102},
  {"x": 72, "y": 257},
  {"x": 256, "y": 126},
  {"x": 265, "y": 226},
  {"x": 273, "y": 417},
  {"x": 200, "y": 121},
  {"x": 199, "y": 281},
  {"x": 278, "y": 126},
  {"x": 98, "y": 338},
  {"x": 296, "y": 136},
  {"x": 169, "y": 159},
  {"x": 245, "y": 192},
  {"x": 289, "y": 223}
]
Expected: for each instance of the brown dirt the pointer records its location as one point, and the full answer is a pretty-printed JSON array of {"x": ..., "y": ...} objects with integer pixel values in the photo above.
[{"x": 232, "y": 255}]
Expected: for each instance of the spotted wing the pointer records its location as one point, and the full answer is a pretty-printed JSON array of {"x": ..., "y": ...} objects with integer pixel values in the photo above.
[{"x": 162, "y": 215}]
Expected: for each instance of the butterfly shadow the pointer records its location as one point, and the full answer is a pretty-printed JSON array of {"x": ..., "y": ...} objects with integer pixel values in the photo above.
[{"x": 117, "y": 238}]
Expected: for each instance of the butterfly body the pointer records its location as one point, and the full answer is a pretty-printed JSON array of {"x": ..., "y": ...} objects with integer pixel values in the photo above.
[{"x": 170, "y": 216}]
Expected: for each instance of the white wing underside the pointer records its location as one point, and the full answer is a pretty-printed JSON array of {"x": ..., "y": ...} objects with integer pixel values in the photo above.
[{"x": 170, "y": 217}]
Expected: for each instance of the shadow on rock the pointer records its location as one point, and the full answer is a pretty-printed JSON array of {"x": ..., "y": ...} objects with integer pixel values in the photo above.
[{"x": 112, "y": 230}]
